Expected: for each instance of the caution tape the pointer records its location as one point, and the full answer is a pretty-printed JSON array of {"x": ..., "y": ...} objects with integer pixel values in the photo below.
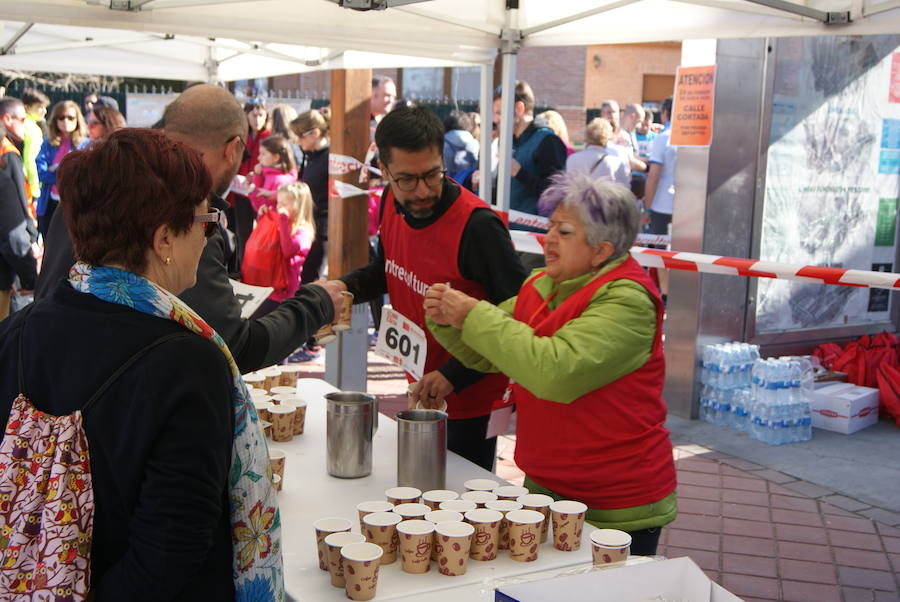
[{"x": 531, "y": 242}]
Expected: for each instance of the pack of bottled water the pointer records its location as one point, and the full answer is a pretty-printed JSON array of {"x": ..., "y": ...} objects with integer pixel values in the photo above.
[{"x": 766, "y": 398}]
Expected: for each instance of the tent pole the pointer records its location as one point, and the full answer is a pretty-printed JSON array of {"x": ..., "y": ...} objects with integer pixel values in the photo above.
[
  {"x": 212, "y": 66},
  {"x": 486, "y": 106},
  {"x": 511, "y": 41},
  {"x": 15, "y": 39}
]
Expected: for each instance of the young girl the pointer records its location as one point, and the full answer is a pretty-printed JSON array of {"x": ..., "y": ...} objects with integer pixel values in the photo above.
[
  {"x": 296, "y": 230},
  {"x": 276, "y": 168}
]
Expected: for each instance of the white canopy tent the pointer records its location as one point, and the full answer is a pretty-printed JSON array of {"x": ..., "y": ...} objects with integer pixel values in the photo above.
[{"x": 450, "y": 31}]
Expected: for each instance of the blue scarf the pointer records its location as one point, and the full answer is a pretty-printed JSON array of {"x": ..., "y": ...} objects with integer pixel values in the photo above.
[{"x": 255, "y": 521}]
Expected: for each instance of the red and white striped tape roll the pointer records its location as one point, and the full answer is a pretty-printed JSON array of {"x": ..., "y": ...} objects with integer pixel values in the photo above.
[{"x": 734, "y": 266}]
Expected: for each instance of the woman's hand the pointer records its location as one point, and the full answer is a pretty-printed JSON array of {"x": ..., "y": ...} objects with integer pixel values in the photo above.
[
  {"x": 263, "y": 210},
  {"x": 257, "y": 169},
  {"x": 433, "y": 298},
  {"x": 455, "y": 306},
  {"x": 283, "y": 211}
]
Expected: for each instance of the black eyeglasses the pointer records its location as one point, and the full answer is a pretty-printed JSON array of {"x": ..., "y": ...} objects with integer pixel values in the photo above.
[
  {"x": 432, "y": 179},
  {"x": 67, "y": 118},
  {"x": 211, "y": 220}
]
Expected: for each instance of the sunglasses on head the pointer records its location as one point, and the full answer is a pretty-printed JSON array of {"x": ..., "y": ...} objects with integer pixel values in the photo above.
[{"x": 210, "y": 221}]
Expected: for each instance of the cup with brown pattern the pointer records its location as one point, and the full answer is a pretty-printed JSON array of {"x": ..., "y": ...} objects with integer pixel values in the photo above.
[
  {"x": 333, "y": 545},
  {"x": 503, "y": 506},
  {"x": 524, "y": 534},
  {"x": 381, "y": 529},
  {"x": 282, "y": 422},
  {"x": 403, "y": 495},
  {"x": 487, "y": 533},
  {"x": 415, "y": 538},
  {"x": 433, "y": 498},
  {"x": 567, "y": 517},
  {"x": 441, "y": 516},
  {"x": 452, "y": 541},
  {"x": 368, "y": 507},
  {"x": 325, "y": 527},
  {"x": 361, "y": 563},
  {"x": 540, "y": 503},
  {"x": 609, "y": 546}
]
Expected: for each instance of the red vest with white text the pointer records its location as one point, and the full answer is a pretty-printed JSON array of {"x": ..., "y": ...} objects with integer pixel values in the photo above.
[
  {"x": 609, "y": 448},
  {"x": 417, "y": 258}
]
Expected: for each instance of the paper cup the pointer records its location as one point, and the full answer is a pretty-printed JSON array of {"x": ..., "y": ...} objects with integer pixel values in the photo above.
[
  {"x": 277, "y": 458},
  {"x": 266, "y": 427},
  {"x": 524, "y": 534},
  {"x": 333, "y": 545},
  {"x": 263, "y": 409},
  {"x": 610, "y": 545},
  {"x": 282, "y": 391},
  {"x": 289, "y": 375},
  {"x": 410, "y": 511},
  {"x": 458, "y": 505},
  {"x": 480, "y": 497},
  {"x": 343, "y": 322},
  {"x": 277, "y": 481},
  {"x": 567, "y": 517},
  {"x": 282, "y": 422},
  {"x": 256, "y": 380},
  {"x": 452, "y": 543},
  {"x": 403, "y": 495},
  {"x": 381, "y": 529},
  {"x": 481, "y": 485},
  {"x": 299, "y": 416},
  {"x": 540, "y": 503},
  {"x": 361, "y": 562},
  {"x": 260, "y": 394},
  {"x": 366, "y": 508},
  {"x": 415, "y": 538},
  {"x": 273, "y": 376},
  {"x": 325, "y": 335},
  {"x": 503, "y": 506},
  {"x": 434, "y": 497},
  {"x": 487, "y": 533},
  {"x": 442, "y": 516},
  {"x": 510, "y": 492},
  {"x": 325, "y": 527}
]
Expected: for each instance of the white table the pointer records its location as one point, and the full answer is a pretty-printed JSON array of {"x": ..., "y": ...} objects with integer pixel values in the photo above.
[{"x": 309, "y": 493}]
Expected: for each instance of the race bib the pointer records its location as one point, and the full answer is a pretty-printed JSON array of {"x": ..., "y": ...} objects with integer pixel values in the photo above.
[{"x": 402, "y": 342}]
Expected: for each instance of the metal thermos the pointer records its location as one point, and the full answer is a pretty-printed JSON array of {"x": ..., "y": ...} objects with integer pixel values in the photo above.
[
  {"x": 422, "y": 449},
  {"x": 351, "y": 423}
]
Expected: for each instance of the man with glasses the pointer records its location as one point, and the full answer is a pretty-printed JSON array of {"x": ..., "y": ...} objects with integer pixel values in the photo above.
[
  {"x": 209, "y": 119},
  {"x": 17, "y": 229},
  {"x": 433, "y": 230}
]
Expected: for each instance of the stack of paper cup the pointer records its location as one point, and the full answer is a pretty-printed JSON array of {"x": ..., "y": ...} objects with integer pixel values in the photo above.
[
  {"x": 343, "y": 322},
  {"x": 568, "y": 522},
  {"x": 524, "y": 534},
  {"x": 452, "y": 543},
  {"x": 361, "y": 562},
  {"x": 610, "y": 545},
  {"x": 333, "y": 545}
]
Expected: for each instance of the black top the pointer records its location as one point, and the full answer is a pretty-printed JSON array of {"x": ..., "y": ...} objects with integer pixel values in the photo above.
[
  {"x": 486, "y": 256},
  {"x": 254, "y": 343},
  {"x": 314, "y": 171},
  {"x": 159, "y": 440},
  {"x": 549, "y": 158},
  {"x": 16, "y": 229}
]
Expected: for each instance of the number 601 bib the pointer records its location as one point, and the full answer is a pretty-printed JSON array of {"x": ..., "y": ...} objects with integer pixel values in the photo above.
[{"x": 402, "y": 342}]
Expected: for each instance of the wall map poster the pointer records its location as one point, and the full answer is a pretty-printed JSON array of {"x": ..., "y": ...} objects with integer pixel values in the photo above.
[{"x": 832, "y": 178}]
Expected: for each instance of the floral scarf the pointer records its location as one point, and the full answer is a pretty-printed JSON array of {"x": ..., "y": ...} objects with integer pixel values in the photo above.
[{"x": 255, "y": 520}]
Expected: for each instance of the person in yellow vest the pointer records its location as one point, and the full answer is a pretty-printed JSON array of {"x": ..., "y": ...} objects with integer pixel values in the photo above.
[
  {"x": 36, "y": 103},
  {"x": 17, "y": 232}
]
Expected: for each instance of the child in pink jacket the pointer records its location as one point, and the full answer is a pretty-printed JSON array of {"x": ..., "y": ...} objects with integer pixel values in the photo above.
[{"x": 276, "y": 168}]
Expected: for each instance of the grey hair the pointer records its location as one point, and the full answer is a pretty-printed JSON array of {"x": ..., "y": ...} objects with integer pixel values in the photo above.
[{"x": 608, "y": 211}]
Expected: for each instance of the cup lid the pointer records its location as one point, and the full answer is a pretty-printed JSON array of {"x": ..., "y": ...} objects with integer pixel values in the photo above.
[
  {"x": 512, "y": 491},
  {"x": 382, "y": 519},
  {"x": 412, "y": 509},
  {"x": 362, "y": 552},
  {"x": 481, "y": 484},
  {"x": 535, "y": 499},
  {"x": 375, "y": 506},
  {"x": 344, "y": 538},
  {"x": 503, "y": 505},
  {"x": 439, "y": 495},
  {"x": 442, "y": 516},
  {"x": 479, "y": 497},
  {"x": 568, "y": 507},
  {"x": 332, "y": 524},
  {"x": 483, "y": 515},
  {"x": 611, "y": 538},
  {"x": 403, "y": 493},
  {"x": 454, "y": 529},
  {"x": 458, "y": 505},
  {"x": 415, "y": 527},
  {"x": 528, "y": 517}
]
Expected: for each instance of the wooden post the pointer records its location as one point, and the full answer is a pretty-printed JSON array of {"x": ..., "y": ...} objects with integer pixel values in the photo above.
[{"x": 348, "y": 220}]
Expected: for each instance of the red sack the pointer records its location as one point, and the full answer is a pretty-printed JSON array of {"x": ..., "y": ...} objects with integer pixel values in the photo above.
[
  {"x": 853, "y": 362},
  {"x": 264, "y": 263},
  {"x": 828, "y": 353},
  {"x": 889, "y": 391}
]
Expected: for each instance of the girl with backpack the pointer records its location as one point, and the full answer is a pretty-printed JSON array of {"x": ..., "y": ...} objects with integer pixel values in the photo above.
[{"x": 276, "y": 168}]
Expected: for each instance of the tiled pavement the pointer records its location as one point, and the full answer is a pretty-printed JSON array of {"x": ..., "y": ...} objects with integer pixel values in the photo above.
[{"x": 762, "y": 534}]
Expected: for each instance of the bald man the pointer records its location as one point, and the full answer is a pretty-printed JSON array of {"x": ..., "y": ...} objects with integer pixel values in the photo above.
[{"x": 209, "y": 119}]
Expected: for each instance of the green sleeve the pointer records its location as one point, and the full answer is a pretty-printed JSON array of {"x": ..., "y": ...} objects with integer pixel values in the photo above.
[
  {"x": 612, "y": 337},
  {"x": 450, "y": 338},
  {"x": 30, "y": 149}
]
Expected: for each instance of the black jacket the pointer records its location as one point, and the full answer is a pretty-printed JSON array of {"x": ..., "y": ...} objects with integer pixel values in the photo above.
[
  {"x": 159, "y": 440},
  {"x": 254, "y": 343},
  {"x": 17, "y": 230}
]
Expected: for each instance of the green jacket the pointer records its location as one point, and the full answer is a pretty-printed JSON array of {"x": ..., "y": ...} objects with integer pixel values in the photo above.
[
  {"x": 34, "y": 137},
  {"x": 611, "y": 338}
]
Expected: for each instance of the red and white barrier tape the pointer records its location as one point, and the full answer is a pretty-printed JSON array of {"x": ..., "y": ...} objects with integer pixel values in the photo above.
[{"x": 530, "y": 242}]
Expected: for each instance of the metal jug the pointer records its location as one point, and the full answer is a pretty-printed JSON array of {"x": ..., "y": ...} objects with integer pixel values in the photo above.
[
  {"x": 352, "y": 418},
  {"x": 422, "y": 449}
]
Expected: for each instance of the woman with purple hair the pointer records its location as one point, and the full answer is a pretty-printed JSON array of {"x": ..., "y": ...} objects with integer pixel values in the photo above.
[{"x": 582, "y": 345}]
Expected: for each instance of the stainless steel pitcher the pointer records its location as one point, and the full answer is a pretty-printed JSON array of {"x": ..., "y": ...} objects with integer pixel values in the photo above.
[
  {"x": 352, "y": 418},
  {"x": 422, "y": 449}
]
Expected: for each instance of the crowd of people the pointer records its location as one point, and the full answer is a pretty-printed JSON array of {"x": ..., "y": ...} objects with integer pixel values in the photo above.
[{"x": 141, "y": 230}]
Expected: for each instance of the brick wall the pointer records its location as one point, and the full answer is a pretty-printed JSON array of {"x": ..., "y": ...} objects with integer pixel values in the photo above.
[
  {"x": 617, "y": 70},
  {"x": 556, "y": 75}
]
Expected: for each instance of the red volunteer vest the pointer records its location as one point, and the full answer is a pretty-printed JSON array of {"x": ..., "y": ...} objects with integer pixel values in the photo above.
[
  {"x": 608, "y": 448},
  {"x": 417, "y": 258}
]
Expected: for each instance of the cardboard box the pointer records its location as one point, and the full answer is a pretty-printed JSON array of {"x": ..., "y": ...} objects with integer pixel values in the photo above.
[
  {"x": 844, "y": 408},
  {"x": 673, "y": 579}
]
